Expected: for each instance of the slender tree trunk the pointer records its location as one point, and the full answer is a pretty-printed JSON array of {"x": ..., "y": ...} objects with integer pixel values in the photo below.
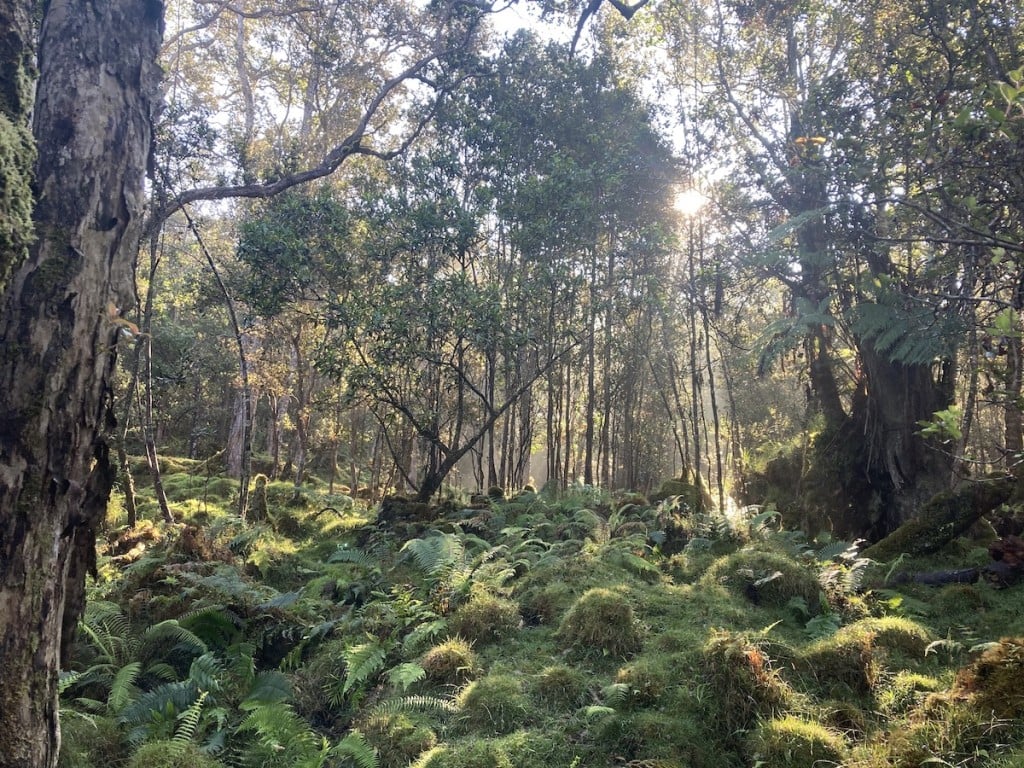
[
  {"x": 59, "y": 318},
  {"x": 152, "y": 460}
]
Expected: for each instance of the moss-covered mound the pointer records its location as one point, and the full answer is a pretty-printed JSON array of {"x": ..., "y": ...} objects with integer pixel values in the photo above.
[
  {"x": 745, "y": 681},
  {"x": 765, "y": 578},
  {"x": 601, "y": 620},
  {"x": 452, "y": 662},
  {"x": 791, "y": 742},
  {"x": 494, "y": 704},
  {"x": 995, "y": 682}
]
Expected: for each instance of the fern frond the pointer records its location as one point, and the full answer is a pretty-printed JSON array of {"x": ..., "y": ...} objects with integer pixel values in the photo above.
[
  {"x": 362, "y": 662},
  {"x": 205, "y": 672},
  {"x": 269, "y": 687},
  {"x": 188, "y": 721},
  {"x": 66, "y": 680},
  {"x": 423, "y": 634},
  {"x": 408, "y": 704},
  {"x": 405, "y": 675},
  {"x": 170, "y": 633},
  {"x": 615, "y": 694},
  {"x": 435, "y": 554},
  {"x": 214, "y": 625},
  {"x": 355, "y": 747},
  {"x": 345, "y": 554},
  {"x": 123, "y": 689}
]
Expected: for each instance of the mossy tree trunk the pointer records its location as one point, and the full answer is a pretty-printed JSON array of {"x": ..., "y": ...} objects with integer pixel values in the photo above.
[{"x": 59, "y": 321}]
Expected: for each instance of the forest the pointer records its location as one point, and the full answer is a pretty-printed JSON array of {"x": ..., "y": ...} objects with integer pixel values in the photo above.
[{"x": 460, "y": 384}]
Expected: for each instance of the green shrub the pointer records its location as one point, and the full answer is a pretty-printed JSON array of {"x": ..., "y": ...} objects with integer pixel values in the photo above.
[
  {"x": 171, "y": 754},
  {"x": 601, "y": 620},
  {"x": 494, "y": 704},
  {"x": 485, "y": 619},
  {"x": 452, "y": 662},
  {"x": 794, "y": 743},
  {"x": 88, "y": 742}
]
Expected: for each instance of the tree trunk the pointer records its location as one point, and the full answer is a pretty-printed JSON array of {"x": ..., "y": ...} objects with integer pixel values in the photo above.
[{"x": 60, "y": 317}]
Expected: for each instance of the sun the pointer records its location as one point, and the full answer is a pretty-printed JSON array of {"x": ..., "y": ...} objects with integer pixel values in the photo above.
[{"x": 690, "y": 201}]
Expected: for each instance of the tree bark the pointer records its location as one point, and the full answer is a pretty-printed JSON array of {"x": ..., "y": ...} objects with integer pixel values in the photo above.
[{"x": 60, "y": 317}]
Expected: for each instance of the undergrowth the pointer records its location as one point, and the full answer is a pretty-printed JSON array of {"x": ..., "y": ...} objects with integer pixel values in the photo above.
[{"x": 581, "y": 630}]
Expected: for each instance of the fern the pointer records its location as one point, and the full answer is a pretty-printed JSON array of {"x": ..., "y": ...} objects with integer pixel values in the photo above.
[
  {"x": 344, "y": 554},
  {"x": 270, "y": 687},
  {"x": 355, "y": 747},
  {"x": 408, "y": 704},
  {"x": 437, "y": 553},
  {"x": 615, "y": 694},
  {"x": 362, "y": 662},
  {"x": 911, "y": 336},
  {"x": 423, "y": 634},
  {"x": 188, "y": 721},
  {"x": 122, "y": 689},
  {"x": 405, "y": 675}
]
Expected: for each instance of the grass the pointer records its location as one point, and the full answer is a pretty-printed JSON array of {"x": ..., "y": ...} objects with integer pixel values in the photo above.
[{"x": 573, "y": 643}]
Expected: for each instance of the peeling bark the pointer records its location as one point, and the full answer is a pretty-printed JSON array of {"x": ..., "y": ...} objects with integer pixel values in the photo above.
[{"x": 59, "y": 320}]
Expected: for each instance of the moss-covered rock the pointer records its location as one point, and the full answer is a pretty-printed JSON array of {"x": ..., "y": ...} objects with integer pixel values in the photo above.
[
  {"x": 601, "y": 620},
  {"x": 790, "y": 742}
]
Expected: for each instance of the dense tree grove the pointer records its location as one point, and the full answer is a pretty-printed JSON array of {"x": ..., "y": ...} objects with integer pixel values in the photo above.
[{"x": 770, "y": 249}]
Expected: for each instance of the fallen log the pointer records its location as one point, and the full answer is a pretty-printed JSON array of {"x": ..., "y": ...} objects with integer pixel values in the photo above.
[{"x": 946, "y": 516}]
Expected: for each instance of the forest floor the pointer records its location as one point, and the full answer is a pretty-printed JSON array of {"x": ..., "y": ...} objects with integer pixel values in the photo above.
[{"x": 588, "y": 630}]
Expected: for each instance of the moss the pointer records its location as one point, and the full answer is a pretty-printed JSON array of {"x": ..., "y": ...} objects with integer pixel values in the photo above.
[
  {"x": 904, "y": 690},
  {"x": 398, "y": 740},
  {"x": 494, "y": 704},
  {"x": 767, "y": 578},
  {"x": 88, "y": 742},
  {"x": 995, "y": 682},
  {"x": 560, "y": 687},
  {"x": 258, "y": 508},
  {"x": 485, "y": 619},
  {"x": 648, "y": 735},
  {"x": 452, "y": 662},
  {"x": 854, "y": 657},
  {"x": 790, "y": 742},
  {"x": 170, "y": 754},
  {"x": 745, "y": 682},
  {"x": 602, "y": 621},
  {"x": 17, "y": 158},
  {"x": 943, "y": 518},
  {"x": 544, "y": 603},
  {"x": 646, "y": 682}
]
